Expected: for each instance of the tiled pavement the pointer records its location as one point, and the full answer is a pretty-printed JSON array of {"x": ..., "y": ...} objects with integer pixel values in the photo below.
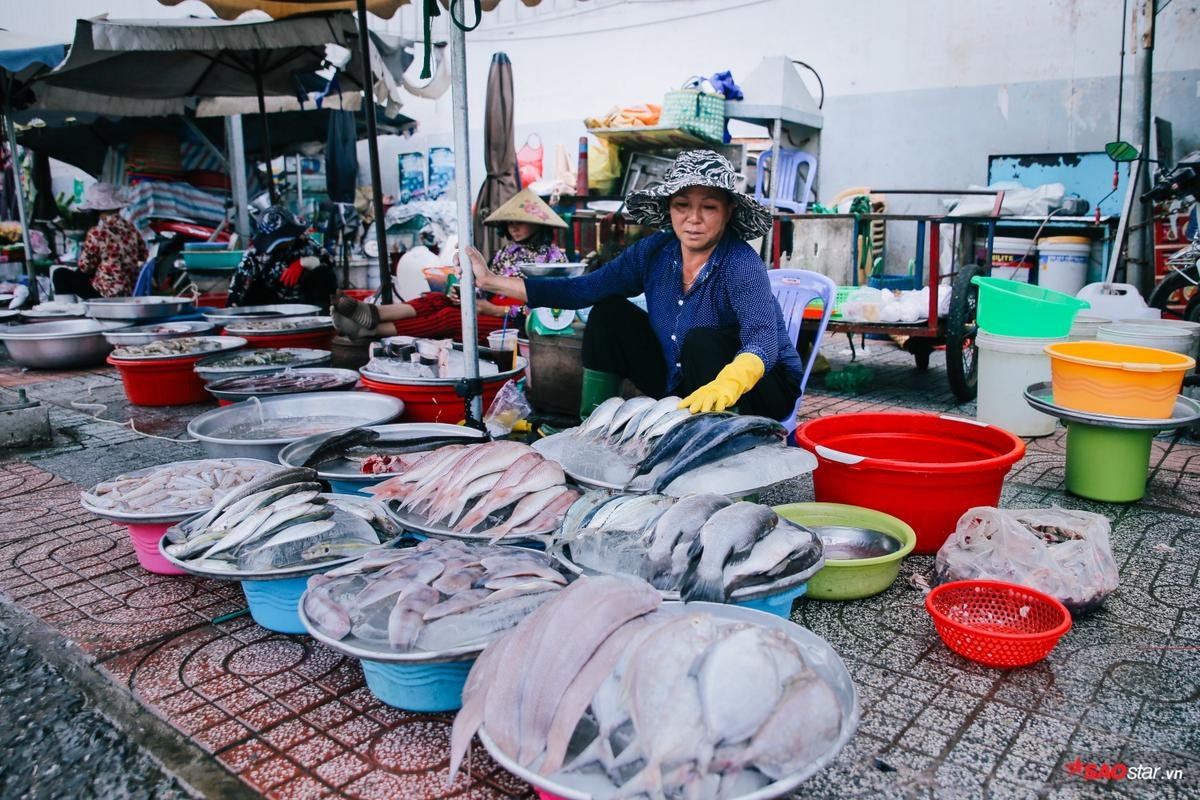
[{"x": 293, "y": 719}]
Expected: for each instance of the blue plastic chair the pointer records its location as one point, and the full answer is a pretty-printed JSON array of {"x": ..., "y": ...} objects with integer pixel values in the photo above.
[
  {"x": 783, "y": 179},
  {"x": 794, "y": 289}
]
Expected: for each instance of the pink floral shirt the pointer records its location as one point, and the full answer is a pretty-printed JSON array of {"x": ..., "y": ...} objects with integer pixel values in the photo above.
[
  {"x": 505, "y": 263},
  {"x": 112, "y": 256}
]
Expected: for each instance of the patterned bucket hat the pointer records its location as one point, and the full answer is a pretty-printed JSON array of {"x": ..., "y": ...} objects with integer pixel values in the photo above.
[
  {"x": 699, "y": 168},
  {"x": 525, "y": 206},
  {"x": 276, "y": 224}
]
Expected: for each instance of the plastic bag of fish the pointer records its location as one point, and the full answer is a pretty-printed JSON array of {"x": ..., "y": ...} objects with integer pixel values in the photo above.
[
  {"x": 279, "y": 522},
  {"x": 606, "y": 690},
  {"x": 437, "y": 596},
  {"x": 704, "y": 546},
  {"x": 496, "y": 489},
  {"x": 178, "y": 488}
]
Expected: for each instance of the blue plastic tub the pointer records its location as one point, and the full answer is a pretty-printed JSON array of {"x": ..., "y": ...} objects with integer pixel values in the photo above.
[
  {"x": 274, "y": 603},
  {"x": 778, "y": 604},
  {"x": 418, "y": 687}
]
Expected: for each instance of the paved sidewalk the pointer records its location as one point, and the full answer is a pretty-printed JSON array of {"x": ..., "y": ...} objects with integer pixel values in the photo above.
[{"x": 291, "y": 718}]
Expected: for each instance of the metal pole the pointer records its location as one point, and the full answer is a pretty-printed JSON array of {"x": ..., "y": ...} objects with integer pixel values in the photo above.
[
  {"x": 462, "y": 186},
  {"x": 235, "y": 145},
  {"x": 1139, "y": 260},
  {"x": 266, "y": 132},
  {"x": 299, "y": 187},
  {"x": 777, "y": 136},
  {"x": 385, "y": 259},
  {"x": 30, "y": 270}
]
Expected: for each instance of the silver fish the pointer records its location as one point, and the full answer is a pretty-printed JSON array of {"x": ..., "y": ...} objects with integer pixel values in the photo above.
[
  {"x": 653, "y": 416},
  {"x": 281, "y": 478},
  {"x": 786, "y": 549},
  {"x": 511, "y": 477},
  {"x": 681, "y": 521},
  {"x": 734, "y": 708},
  {"x": 730, "y": 531},
  {"x": 801, "y": 728},
  {"x": 526, "y": 509},
  {"x": 631, "y": 407},
  {"x": 406, "y": 619},
  {"x": 480, "y": 624},
  {"x": 543, "y": 475},
  {"x": 287, "y": 548},
  {"x": 457, "y": 603},
  {"x": 600, "y": 417}
]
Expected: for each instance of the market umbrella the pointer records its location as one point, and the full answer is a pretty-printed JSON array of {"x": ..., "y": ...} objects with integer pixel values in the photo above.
[
  {"x": 23, "y": 58},
  {"x": 192, "y": 58},
  {"x": 499, "y": 151}
]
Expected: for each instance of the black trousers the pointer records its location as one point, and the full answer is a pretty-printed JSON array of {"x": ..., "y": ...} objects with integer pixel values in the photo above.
[
  {"x": 72, "y": 281},
  {"x": 618, "y": 339}
]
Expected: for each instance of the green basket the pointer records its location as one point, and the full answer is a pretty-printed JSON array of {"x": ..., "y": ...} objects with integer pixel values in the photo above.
[
  {"x": 212, "y": 259},
  {"x": 1012, "y": 308}
]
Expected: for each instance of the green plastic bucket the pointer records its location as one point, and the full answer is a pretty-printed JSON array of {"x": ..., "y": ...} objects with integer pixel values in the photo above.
[
  {"x": 1011, "y": 308},
  {"x": 852, "y": 580},
  {"x": 1107, "y": 464}
]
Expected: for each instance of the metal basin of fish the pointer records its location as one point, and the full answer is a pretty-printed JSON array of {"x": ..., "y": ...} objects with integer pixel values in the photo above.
[
  {"x": 168, "y": 512},
  {"x": 239, "y": 388},
  {"x": 145, "y": 334},
  {"x": 59, "y": 345},
  {"x": 226, "y": 316},
  {"x": 345, "y": 475},
  {"x": 820, "y": 657},
  {"x": 225, "y": 365},
  {"x": 261, "y": 428},
  {"x": 270, "y": 325},
  {"x": 179, "y": 348},
  {"x": 852, "y": 578},
  {"x": 419, "y": 524},
  {"x": 135, "y": 308}
]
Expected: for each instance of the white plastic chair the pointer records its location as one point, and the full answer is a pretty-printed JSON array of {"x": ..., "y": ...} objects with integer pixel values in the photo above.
[{"x": 794, "y": 289}]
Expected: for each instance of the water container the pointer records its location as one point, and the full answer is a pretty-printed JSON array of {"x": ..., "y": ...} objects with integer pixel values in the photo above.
[
  {"x": 1007, "y": 365},
  {"x": 1117, "y": 301},
  {"x": 1085, "y": 326},
  {"x": 1063, "y": 262},
  {"x": 1162, "y": 337},
  {"x": 1012, "y": 257}
]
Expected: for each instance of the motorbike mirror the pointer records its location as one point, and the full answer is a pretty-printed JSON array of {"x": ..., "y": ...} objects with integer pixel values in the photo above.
[{"x": 1121, "y": 152}]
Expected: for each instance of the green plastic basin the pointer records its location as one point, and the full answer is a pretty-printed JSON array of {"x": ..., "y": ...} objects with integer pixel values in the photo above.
[
  {"x": 1012, "y": 308},
  {"x": 852, "y": 580}
]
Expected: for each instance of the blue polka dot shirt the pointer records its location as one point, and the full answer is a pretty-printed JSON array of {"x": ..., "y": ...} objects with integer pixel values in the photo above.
[{"x": 731, "y": 290}]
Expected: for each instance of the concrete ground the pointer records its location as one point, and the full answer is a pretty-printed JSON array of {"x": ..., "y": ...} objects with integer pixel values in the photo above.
[{"x": 116, "y": 671}]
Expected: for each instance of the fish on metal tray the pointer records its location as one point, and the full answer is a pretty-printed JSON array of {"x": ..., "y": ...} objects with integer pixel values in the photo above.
[
  {"x": 727, "y": 438},
  {"x": 729, "y": 532}
]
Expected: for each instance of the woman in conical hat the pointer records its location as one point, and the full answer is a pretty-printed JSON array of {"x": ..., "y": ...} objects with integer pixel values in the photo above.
[{"x": 526, "y": 221}]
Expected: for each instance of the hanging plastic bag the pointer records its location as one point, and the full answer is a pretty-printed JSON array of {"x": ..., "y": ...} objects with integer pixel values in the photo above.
[
  {"x": 508, "y": 408},
  {"x": 604, "y": 166},
  {"x": 529, "y": 160},
  {"x": 1065, "y": 554}
]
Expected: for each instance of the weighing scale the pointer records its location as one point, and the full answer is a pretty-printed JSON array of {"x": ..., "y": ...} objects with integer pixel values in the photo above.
[{"x": 551, "y": 321}]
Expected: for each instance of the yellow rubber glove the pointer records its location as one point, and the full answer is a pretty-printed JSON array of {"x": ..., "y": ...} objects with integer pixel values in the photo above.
[{"x": 737, "y": 378}]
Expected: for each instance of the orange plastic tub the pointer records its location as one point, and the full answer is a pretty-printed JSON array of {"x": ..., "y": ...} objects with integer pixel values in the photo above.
[{"x": 1121, "y": 380}]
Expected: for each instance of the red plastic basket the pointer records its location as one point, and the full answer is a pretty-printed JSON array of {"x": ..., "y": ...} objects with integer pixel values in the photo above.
[{"x": 995, "y": 623}]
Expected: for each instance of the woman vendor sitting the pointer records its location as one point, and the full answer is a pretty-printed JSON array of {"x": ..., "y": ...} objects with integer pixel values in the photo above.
[
  {"x": 721, "y": 337},
  {"x": 526, "y": 221},
  {"x": 283, "y": 265}
]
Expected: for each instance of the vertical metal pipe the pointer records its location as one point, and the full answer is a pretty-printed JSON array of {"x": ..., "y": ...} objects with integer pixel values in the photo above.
[
  {"x": 30, "y": 270},
  {"x": 235, "y": 145},
  {"x": 299, "y": 187},
  {"x": 462, "y": 194},
  {"x": 385, "y": 259},
  {"x": 266, "y": 133},
  {"x": 776, "y": 146},
  {"x": 1139, "y": 262}
]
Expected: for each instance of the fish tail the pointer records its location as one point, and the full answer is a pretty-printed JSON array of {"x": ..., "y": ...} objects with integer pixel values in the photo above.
[
  {"x": 648, "y": 782},
  {"x": 709, "y": 589}
]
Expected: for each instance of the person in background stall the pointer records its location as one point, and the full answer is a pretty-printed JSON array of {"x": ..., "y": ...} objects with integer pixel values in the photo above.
[
  {"x": 283, "y": 265},
  {"x": 721, "y": 338},
  {"x": 527, "y": 222},
  {"x": 112, "y": 255}
]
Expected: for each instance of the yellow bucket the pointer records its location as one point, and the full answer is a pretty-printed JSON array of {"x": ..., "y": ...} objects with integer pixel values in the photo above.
[{"x": 1119, "y": 380}]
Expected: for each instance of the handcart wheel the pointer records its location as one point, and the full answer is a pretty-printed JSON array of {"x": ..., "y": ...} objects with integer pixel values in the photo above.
[
  {"x": 1176, "y": 289},
  {"x": 961, "y": 353}
]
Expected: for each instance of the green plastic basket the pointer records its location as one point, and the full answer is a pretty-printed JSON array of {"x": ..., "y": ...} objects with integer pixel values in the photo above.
[
  {"x": 212, "y": 259},
  {"x": 1012, "y": 308}
]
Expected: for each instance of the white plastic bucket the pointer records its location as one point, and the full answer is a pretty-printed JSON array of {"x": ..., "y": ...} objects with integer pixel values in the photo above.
[
  {"x": 1158, "y": 334},
  {"x": 1063, "y": 263},
  {"x": 1007, "y": 366},
  {"x": 1086, "y": 326},
  {"x": 1012, "y": 257}
]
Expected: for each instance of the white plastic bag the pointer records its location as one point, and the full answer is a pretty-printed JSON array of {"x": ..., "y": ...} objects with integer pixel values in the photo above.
[
  {"x": 1065, "y": 554},
  {"x": 509, "y": 407}
]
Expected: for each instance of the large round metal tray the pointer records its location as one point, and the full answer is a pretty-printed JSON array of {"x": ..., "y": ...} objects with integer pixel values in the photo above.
[
  {"x": 163, "y": 516},
  {"x": 561, "y": 553},
  {"x": 303, "y": 325},
  {"x": 1186, "y": 412},
  {"x": 133, "y": 308},
  {"x": 348, "y": 471},
  {"x": 225, "y": 345},
  {"x": 157, "y": 331},
  {"x": 210, "y": 369},
  {"x": 225, "y": 316},
  {"x": 347, "y": 379},
  {"x": 340, "y": 516},
  {"x": 64, "y": 344},
  {"x": 465, "y": 653},
  {"x": 46, "y": 315},
  {"x": 380, "y": 377},
  {"x": 818, "y": 654},
  {"x": 211, "y": 427},
  {"x": 569, "y": 270},
  {"x": 753, "y": 471}
]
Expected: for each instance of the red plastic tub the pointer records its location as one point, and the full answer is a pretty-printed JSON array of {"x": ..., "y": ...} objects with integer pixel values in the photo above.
[
  {"x": 424, "y": 403},
  {"x": 316, "y": 340},
  {"x": 925, "y": 469},
  {"x": 165, "y": 382},
  {"x": 213, "y": 299}
]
